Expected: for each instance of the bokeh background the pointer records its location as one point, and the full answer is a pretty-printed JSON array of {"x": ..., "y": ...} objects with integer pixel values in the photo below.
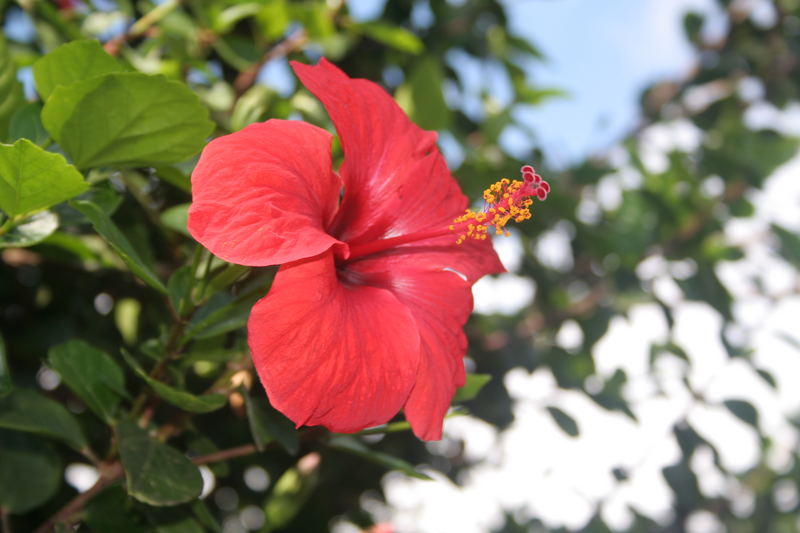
[{"x": 644, "y": 347}]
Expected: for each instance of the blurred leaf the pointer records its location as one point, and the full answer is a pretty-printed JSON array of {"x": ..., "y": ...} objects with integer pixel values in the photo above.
[
  {"x": 111, "y": 512},
  {"x": 267, "y": 425},
  {"x": 30, "y": 231},
  {"x": 350, "y": 444},
  {"x": 126, "y": 318},
  {"x": 32, "y": 179},
  {"x": 430, "y": 110},
  {"x": 291, "y": 492},
  {"x": 155, "y": 473},
  {"x": 27, "y": 410},
  {"x": 70, "y": 63},
  {"x": 26, "y": 123},
  {"x": 91, "y": 374},
  {"x": 174, "y": 177},
  {"x": 6, "y": 385},
  {"x": 219, "y": 315},
  {"x": 789, "y": 244},
  {"x": 109, "y": 231},
  {"x": 178, "y": 288},
  {"x": 743, "y": 410},
  {"x": 564, "y": 421},
  {"x": 127, "y": 120},
  {"x": 10, "y": 89},
  {"x": 30, "y": 472},
  {"x": 394, "y": 36},
  {"x": 473, "y": 385},
  {"x": 175, "y": 218},
  {"x": 185, "y": 400},
  {"x": 251, "y": 106}
]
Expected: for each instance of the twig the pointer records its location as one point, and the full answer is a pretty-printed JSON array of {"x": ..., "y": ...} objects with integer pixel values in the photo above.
[
  {"x": 139, "y": 27},
  {"x": 4, "y": 520},
  {"x": 247, "y": 77},
  {"x": 108, "y": 475},
  {"x": 224, "y": 455}
]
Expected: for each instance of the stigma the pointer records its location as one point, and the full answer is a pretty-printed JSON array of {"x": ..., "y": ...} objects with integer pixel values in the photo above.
[{"x": 505, "y": 201}]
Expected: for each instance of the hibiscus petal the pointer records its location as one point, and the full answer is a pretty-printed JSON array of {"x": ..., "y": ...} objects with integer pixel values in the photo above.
[
  {"x": 440, "y": 302},
  {"x": 265, "y": 195},
  {"x": 330, "y": 353},
  {"x": 396, "y": 181}
]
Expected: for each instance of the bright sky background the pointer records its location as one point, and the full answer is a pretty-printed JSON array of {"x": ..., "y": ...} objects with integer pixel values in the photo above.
[{"x": 604, "y": 53}]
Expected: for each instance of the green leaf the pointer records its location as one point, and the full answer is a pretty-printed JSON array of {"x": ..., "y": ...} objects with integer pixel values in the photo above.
[
  {"x": 430, "y": 110},
  {"x": 743, "y": 410},
  {"x": 185, "y": 400},
  {"x": 30, "y": 472},
  {"x": 473, "y": 385},
  {"x": 175, "y": 218},
  {"x": 32, "y": 179},
  {"x": 11, "y": 95},
  {"x": 251, "y": 106},
  {"x": 564, "y": 421},
  {"x": 111, "y": 233},
  {"x": 70, "y": 63},
  {"x": 127, "y": 120},
  {"x": 267, "y": 425},
  {"x": 30, "y": 231},
  {"x": 6, "y": 385},
  {"x": 27, "y": 410},
  {"x": 352, "y": 445},
  {"x": 110, "y": 512},
  {"x": 91, "y": 374},
  {"x": 394, "y": 36},
  {"x": 291, "y": 492},
  {"x": 220, "y": 315},
  {"x": 178, "y": 288},
  {"x": 155, "y": 473},
  {"x": 26, "y": 123}
]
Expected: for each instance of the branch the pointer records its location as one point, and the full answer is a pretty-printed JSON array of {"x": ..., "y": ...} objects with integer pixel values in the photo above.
[
  {"x": 139, "y": 27},
  {"x": 108, "y": 475},
  {"x": 224, "y": 455},
  {"x": 247, "y": 78}
]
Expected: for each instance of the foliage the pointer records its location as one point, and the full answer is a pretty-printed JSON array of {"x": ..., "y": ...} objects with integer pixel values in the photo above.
[{"x": 103, "y": 287}]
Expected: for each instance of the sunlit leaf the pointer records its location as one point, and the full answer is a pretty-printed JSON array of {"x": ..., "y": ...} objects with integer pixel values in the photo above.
[
  {"x": 127, "y": 120},
  {"x": 70, "y": 63}
]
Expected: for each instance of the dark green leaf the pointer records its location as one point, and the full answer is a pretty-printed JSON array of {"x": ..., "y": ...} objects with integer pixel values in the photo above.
[
  {"x": 350, "y": 444},
  {"x": 127, "y": 120},
  {"x": 91, "y": 374},
  {"x": 27, "y": 410},
  {"x": 789, "y": 244},
  {"x": 6, "y": 385},
  {"x": 30, "y": 231},
  {"x": 219, "y": 315},
  {"x": 187, "y": 401},
  {"x": 30, "y": 471},
  {"x": 178, "y": 287},
  {"x": 267, "y": 425},
  {"x": 155, "y": 473},
  {"x": 111, "y": 233},
  {"x": 70, "y": 63},
  {"x": 26, "y": 123},
  {"x": 32, "y": 179},
  {"x": 564, "y": 421},
  {"x": 110, "y": 512},
  {"x": 744, "y": 411},
  {"x": 473, "y": 385}
]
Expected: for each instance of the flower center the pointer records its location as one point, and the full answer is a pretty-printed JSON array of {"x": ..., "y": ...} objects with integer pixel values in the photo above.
[{"x": 506, "y": 201}]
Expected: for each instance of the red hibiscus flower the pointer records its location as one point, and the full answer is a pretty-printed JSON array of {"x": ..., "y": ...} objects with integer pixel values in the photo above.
[{"x": 365, "y": 315}]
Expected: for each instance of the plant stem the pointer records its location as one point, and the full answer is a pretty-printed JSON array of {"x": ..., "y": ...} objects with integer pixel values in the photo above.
[
  {"x": 224, "y": 455},
  {"x": 113, "y": 472},
  {"x": 138, "y": 28},
  {"x": 248, "y": 76}
]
